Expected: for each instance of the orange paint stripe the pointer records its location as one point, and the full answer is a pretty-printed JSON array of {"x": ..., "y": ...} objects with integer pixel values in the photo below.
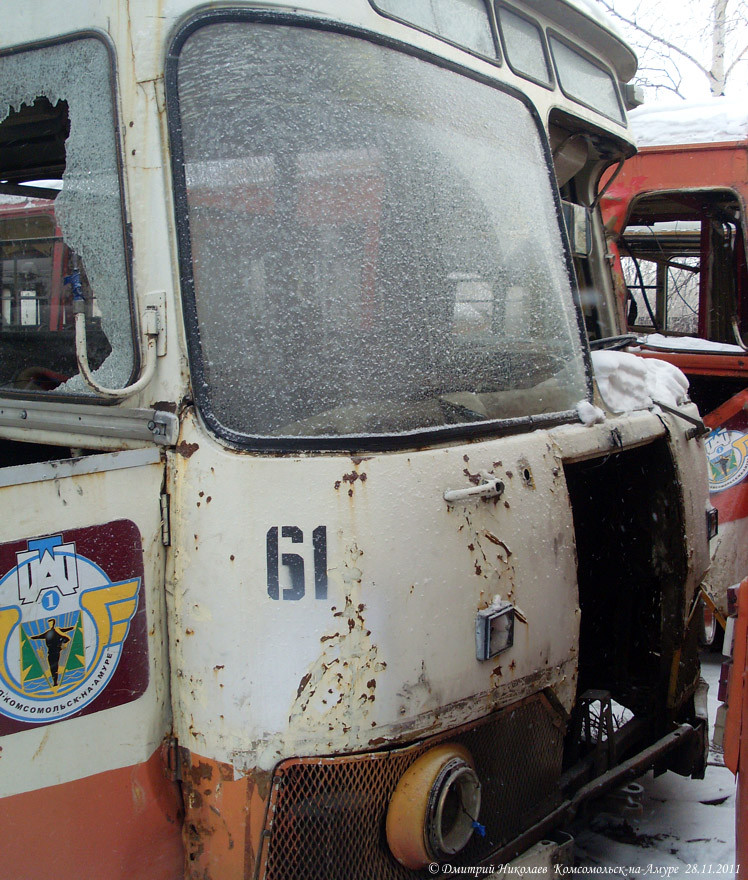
[
  {"x": 728, "y": 409},
  {"x": 224, "y": 818},
  {"x": 120, "y": 825},
  {"x": 737, "y": 698}
]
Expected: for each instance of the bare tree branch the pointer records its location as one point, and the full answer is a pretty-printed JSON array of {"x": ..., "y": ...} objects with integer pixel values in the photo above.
[
  {"x": 741, "y": 56},
  {"x": 655, "y": 37},
  {"x": 708, "y": 34}
]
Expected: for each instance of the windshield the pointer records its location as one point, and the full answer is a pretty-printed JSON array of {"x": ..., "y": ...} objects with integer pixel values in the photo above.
[{"x": 374, "y": 244}]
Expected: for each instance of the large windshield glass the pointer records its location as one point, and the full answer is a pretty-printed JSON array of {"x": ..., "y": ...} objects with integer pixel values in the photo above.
[{"x": 374, "y": 244}]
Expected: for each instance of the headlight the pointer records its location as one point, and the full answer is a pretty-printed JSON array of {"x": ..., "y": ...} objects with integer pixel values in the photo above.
[{"x": 434, "y": 808}]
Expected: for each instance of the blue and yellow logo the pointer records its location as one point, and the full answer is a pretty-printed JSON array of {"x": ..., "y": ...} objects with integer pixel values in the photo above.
[
  {"x": 728, "y": 458},
  {"x": 63, "y": 625}
]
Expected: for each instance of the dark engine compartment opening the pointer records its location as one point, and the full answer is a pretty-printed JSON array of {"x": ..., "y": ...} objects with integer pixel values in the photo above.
[{"x": 632, "y": 568}]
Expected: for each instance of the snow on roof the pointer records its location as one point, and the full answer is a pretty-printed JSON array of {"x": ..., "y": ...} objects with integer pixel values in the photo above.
[
  {"x": 687, "y": 343},
  {"x": 690, "y": 122}
]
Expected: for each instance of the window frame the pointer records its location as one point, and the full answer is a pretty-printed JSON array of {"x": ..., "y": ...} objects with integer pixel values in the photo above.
[
  {"x": 551, "y": 85},
  {"x": 552, "y": 34},
  {"x": 347, "y": 442},
  {"x": 498, "y": 60},
  {"x": 126, "y": 227}
]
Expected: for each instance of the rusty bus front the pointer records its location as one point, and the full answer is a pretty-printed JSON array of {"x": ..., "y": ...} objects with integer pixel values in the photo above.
[{"x": 322, "y": 555}]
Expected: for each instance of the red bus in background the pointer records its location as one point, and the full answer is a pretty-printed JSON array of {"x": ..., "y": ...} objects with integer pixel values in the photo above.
[
  {"x": 34, "y": 299},
  {"x": 675, "y": 218}
]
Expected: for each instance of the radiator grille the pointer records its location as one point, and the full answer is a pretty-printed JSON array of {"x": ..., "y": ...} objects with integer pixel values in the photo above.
[{"x": 326, "y": 816}]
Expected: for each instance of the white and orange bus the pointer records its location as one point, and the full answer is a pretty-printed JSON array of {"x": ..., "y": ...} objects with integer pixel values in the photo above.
[{"x": 313, "y": 563}]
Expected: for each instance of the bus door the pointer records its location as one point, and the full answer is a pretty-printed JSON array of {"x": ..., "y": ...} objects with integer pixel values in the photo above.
[{"x": 84, "y": 693}]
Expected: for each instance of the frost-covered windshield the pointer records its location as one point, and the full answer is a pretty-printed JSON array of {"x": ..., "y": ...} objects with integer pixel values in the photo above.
[{"x": 374, "y": 244}]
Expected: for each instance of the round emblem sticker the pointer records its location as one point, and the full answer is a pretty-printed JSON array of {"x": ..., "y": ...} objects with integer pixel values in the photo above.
[
  {"x": 728, "y": 458},
  {"x": 63, "y": 624}
]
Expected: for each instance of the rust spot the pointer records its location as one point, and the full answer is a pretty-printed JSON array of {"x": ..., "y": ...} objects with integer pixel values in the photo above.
[
  {"x": 201, "y": 771},
  {"x": 217, "y": 668},
  {"x": 466, "y": 458},
  {"x": 473, "y": 478},
  {"x": 337, "y": 484},
  {"x": 361, "y": 607},
  {"x": 208, "y": 499},
  {"x": 497, "y": 464},
  {"x": 189, "y": 632},
  {"x": 513, "y": 665},
  {"x": 164, "y": 405},
  {"x": 201, "y": 494},
  {"x": 327, "y": 638},
  {"x": 262, "y": 780},
  {"x": 497, "y": 671},
  {"x": 186, "y": 450},
  {"x": 303, "y": 683},
  {"x": 357, "y": 459},
  {"x": 509, "y": 474},
  {"x": 499, "y": 543},
  {"x": 380, "y": 740},
  {"x": 478, "y": 569},
  {"x": 372, "y": 683},
  {"x": 231, "y": 557},
  {"x": 351, "y": 623},
  {"x": 471, "y": 547}
]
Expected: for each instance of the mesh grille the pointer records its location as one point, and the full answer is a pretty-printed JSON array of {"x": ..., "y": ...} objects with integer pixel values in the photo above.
[{"x": 327, "y": 815}]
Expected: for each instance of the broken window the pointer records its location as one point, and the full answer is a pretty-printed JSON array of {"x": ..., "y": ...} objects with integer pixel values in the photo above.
[
  {"x": 61, "y": 231},
  {"x": 683, "y": 258}
]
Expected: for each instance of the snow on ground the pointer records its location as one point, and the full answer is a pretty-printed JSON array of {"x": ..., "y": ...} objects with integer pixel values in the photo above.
[
  {"x": 690, "y": 122},
  {"x": 686, "y": 825}
]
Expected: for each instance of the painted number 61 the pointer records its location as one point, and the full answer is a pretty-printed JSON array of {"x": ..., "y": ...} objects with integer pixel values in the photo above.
[{"x": 294, "y": 562}]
